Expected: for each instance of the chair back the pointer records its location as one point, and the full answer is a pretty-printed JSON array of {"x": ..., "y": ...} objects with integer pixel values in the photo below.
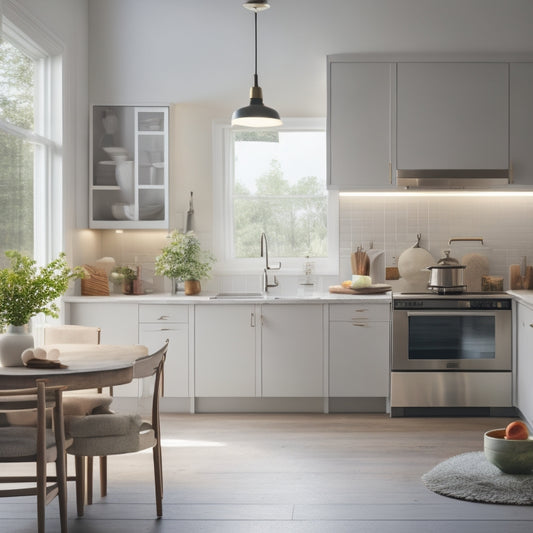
[
  {"x": 152, "y": 366},
  {"x": 71, "y": 334}
]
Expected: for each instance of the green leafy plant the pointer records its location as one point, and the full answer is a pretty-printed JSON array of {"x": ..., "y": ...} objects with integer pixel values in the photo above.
[
  {"x": 182, "y": 258},
  {"x": 123, "y": 273},
  {"x": 27, "y": 290}
]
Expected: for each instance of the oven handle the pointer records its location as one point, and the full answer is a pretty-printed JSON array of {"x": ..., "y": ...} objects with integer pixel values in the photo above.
[{"x": 453, "y": 313}]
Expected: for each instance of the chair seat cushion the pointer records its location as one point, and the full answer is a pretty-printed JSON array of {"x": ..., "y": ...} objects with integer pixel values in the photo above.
[
  {"x": 21, "y": 441},
  {"x": 97, "y": 435}
]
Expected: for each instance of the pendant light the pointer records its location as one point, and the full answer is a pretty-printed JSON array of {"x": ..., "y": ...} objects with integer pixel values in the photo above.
[{"x": 256, "y": 115}]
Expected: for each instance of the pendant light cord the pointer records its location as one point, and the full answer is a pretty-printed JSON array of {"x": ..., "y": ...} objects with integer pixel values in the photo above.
[{"x": 256, "y": 82}]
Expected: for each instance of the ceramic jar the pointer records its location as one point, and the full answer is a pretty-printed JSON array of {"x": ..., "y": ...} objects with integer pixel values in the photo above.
[{"x": 13, "y": 343}]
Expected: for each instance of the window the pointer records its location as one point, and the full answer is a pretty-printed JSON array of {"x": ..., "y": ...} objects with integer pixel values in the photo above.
[
  {"x": 28, "y": 154},
  {"x": 274, "y": 181}
]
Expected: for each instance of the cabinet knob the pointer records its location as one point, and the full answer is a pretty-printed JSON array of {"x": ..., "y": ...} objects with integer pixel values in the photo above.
[{"x": 531, "y": 325}]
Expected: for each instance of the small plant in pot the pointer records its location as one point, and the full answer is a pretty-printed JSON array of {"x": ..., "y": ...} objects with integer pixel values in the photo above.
[
  {"x": 25, "y": 291},
  {"x": 183, "y": 259},
  {"x": 124, "y": 275}
]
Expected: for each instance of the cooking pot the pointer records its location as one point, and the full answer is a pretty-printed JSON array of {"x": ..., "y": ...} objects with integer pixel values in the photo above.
[{"x": 447, "y": 275}]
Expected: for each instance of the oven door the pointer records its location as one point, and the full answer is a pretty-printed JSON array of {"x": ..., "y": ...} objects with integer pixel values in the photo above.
[{"x": 451, "y": 340}]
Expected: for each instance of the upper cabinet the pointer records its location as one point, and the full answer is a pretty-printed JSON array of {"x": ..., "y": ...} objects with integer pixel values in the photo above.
[
  {"x": 452, "y": 116},
  {"x": 360, "y": 124},
  {"x": 420, "y": 114},
  {"x": 129, "y": 168},
  {"x": 521, "y": 123}
]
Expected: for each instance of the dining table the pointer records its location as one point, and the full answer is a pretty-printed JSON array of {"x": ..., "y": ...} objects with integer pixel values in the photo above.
[{"x": 83, "y": 366}]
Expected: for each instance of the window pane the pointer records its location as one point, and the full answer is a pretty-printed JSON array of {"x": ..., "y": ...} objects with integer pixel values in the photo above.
[
  {"x": 16, "y": 194},
  {"x": 16, "y": 86},
  {"x": 280, "y": 188}
]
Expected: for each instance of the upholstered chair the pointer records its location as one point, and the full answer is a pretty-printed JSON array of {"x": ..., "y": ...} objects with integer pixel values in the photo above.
[{"x": 111, "y": 434}]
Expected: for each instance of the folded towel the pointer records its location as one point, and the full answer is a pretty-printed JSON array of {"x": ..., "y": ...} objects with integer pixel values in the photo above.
[{"x": 41, "y": 358}]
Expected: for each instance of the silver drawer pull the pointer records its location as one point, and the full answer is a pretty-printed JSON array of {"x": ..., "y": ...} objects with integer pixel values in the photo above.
[
  {"x": 531, "y": 325},
  {"x": 361, "y": 310},
  {"x": 359, "y": 325},
  {"x": 163, "y": 317},
  {"x": 252, "y": 320},
  {"x": 166, "y": 329}
]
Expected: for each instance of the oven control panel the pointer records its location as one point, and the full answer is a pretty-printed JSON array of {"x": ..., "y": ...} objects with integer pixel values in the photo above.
[{"x": 497, "y": 304}]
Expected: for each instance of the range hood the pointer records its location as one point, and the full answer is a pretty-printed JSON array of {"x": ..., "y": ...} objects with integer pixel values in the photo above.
[{"x": 452, "y": 178}]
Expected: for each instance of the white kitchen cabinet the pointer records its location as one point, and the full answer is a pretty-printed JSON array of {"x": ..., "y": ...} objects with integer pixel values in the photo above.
[
  {"x": 157, "y": 323},
  {"x": 360, "y": 106},
  {"x": 524, "y": 361},
  {"x": 129, "y": 167},
  {"x": 225, "y": 353},
  {"x": 452, "y": 115},
  {"x": 118, "y": 324},
  {"x": 359, "y": 350},
  {"x": 292, "y": 352},
  {"x": 521, "y": 123}
]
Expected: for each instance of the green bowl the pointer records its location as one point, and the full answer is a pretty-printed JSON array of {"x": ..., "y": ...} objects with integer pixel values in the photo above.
[{"x": 510, "y": 456}]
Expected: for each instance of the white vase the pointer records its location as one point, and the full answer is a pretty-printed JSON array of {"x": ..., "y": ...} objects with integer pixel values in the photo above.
[{"x": 13, "y": 343}]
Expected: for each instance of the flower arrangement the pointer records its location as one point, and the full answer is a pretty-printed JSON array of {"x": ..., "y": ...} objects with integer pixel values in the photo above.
[
  {"x": 182, "y": 258},
  {"x": 27, "y": 290}
]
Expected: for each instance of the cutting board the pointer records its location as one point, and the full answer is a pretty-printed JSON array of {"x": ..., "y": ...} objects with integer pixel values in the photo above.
[
  {"x": 376, "y": 288},
  {"x": 517, "y": 282}
]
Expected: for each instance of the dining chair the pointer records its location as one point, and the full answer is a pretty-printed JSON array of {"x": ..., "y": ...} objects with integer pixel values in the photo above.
[
  {"x": 113, "y": 434},
  {"x": 37, "y": 444},
  {"x": 78, "y": 403}
]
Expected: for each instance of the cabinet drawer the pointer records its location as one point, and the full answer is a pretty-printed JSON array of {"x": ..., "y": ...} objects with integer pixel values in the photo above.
[
  {"x": 163, "y": 313},
  {"x": 357, "y": 312}
]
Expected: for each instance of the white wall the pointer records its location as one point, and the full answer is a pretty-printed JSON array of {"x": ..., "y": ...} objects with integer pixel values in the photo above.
[{"x": 199, "y": 55}]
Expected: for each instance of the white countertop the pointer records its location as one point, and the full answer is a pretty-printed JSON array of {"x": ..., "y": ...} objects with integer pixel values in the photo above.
[
  {"x": 522, "y": 296},
  {"x": 207, "y": 298}
]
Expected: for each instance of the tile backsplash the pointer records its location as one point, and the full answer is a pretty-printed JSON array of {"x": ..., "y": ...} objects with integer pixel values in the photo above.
[{"x": 391, "y": 223}]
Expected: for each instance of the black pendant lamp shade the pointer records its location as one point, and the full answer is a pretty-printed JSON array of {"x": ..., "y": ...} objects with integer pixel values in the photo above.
[{"x": 256, "y": 115}]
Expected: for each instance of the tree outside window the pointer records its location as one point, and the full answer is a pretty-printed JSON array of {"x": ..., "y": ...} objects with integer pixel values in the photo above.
[
  {"x": 279, "y": 188},
  {"x": 17, "y": 89}
]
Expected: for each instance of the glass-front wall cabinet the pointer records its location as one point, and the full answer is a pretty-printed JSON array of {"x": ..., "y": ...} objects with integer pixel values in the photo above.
[{"x": 129, "y": 167}]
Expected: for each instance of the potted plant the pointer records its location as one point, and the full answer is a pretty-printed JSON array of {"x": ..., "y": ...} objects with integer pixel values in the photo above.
[
  {"x": 124, "y": 275},
  {"x": 183, "y": 259},
  {"x": 25, "y": 291}
]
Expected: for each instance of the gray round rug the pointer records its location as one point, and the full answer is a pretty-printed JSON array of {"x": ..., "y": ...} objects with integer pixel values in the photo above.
[{"x": 471, "y": 477}]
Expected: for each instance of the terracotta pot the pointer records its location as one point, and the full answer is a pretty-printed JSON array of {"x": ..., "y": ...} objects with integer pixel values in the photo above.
[{"x": 192, "y": 287}]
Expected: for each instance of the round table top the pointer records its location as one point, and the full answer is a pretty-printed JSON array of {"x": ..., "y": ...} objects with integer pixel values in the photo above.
[{"x": 88, "y": 366}]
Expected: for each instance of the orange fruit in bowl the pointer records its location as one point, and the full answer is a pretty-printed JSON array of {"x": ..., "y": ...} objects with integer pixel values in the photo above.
[{"x": 516, "y": 430}]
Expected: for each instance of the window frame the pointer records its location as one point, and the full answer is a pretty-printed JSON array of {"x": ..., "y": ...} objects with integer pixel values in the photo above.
[
  {"x": 223, "y": 216},
  {"x": 29, "y": 36}
]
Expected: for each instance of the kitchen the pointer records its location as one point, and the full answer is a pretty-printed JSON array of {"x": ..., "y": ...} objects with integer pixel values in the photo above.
[{"x": 123, "y": 52}]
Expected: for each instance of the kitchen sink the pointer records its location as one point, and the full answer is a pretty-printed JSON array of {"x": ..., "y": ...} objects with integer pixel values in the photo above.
[{"x": 238, "y": 296}]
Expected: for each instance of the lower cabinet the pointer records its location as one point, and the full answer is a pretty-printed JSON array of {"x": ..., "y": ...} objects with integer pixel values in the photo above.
[
  {"x": 524, "y": 361},
  {"x": 224, "y": 338},
  {"x": 157, "y": 323},
  {"x": 292, "y": 351},
  {"x": 359, "y": 350}
]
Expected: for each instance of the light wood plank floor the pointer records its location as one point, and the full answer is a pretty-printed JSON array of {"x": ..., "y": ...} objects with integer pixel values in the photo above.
[{"x": 289, "y": 473}]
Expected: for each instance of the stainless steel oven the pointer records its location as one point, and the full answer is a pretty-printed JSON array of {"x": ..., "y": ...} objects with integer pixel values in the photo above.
[{"x": 451, "y": 351}]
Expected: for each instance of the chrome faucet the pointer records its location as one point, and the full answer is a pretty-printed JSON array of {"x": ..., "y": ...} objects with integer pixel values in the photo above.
[{"x": 264, "y": 253}]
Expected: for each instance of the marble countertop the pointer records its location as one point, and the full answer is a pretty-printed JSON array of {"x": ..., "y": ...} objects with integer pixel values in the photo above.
[{"x": 522, "y": 296}]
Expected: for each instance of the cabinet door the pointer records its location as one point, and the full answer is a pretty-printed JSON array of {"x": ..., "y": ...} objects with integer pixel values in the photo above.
[
  {"x": 225, "y": 350},
  {"x": 359, "y": 359},
  {"x": 118, "y": 324},
  {"x": 359, "y": 125},
  {"x": 524, "y": 370},
  {"x": 129, "y": 167},
  {"x": 452, "y": 116},
  {"x": 176, "y": 372},
  {"x": 292, "y": 352},
  {"x": 521, "y": 122}
]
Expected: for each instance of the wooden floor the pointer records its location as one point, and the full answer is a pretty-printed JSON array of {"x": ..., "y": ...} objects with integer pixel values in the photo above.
[{"x": 289, "y": 473}]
